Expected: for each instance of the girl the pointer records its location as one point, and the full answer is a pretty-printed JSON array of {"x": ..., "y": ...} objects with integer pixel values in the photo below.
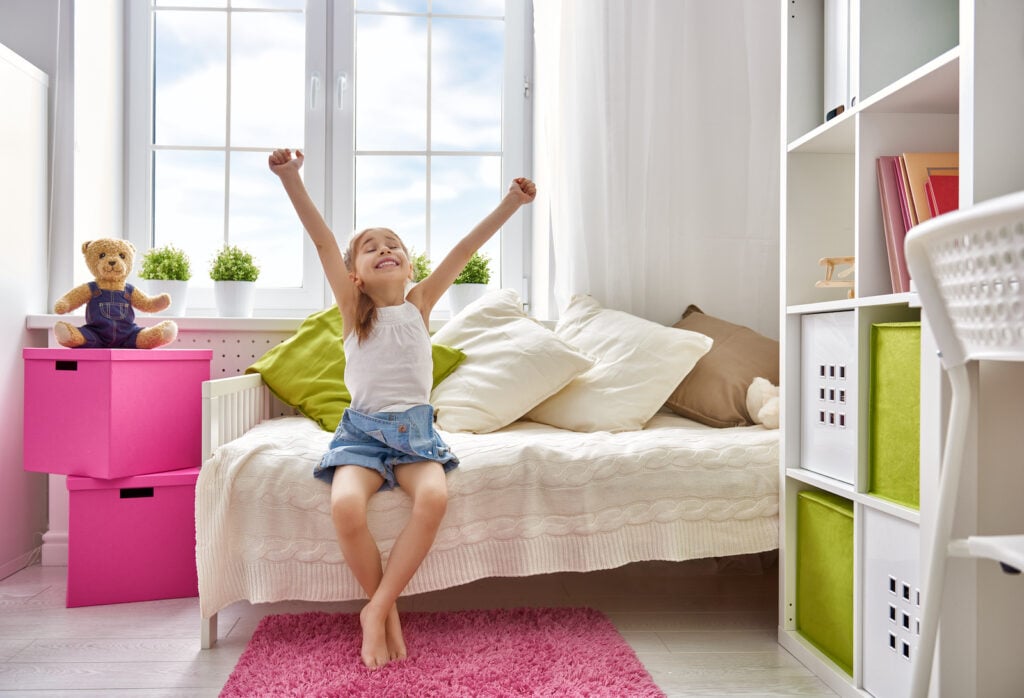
[{"x": 386, "y": 438}]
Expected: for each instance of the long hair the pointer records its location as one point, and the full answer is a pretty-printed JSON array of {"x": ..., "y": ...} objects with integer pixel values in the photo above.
[{"x": 366, "y": 311}]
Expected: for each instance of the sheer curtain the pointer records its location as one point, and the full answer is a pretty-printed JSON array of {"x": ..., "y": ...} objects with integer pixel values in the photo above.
[{"x": 657, "y": 151}]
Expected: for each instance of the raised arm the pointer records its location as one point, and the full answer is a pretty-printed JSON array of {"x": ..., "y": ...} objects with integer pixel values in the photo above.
[
  {"x": 427, "y": 292},
  {"x": 331, "y": 259}
]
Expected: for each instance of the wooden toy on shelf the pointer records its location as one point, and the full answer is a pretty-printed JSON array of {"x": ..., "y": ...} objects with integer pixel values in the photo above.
[{"x": 830, "y": 264}]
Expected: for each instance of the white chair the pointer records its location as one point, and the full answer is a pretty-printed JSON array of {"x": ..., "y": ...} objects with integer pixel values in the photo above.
[{"x": 968, "y": 267}]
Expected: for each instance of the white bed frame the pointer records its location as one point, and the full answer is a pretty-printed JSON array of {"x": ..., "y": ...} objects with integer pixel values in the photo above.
[{"x": 232, "y": 406}]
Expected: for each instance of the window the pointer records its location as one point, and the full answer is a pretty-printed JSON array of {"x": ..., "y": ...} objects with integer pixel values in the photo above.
[{"x": 411, "y": 114}]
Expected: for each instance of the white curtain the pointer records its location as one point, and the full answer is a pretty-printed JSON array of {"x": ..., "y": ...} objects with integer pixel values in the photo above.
[{"x": 656, "y": 153}]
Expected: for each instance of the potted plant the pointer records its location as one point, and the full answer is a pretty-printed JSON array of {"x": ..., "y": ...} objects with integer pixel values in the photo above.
[
  {"x": 167, "y": 270},
  {"x": 471, "y": 283},
  {"x": 420, "y": 265},
  {"x": 234, "y": 274}
]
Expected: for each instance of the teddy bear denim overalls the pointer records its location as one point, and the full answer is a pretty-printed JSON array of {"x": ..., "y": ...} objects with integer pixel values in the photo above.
[{"x": 109, "y": 319}]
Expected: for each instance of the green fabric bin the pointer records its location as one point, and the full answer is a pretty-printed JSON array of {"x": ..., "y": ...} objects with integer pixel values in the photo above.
[
  {"x": 894, "y": 413},
  {"x": 824, "y": 574}
]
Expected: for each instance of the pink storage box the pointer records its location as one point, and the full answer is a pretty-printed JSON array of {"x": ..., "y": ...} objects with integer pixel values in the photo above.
[
  {"x": 113, "y": 412},
  {"x": 132, "y": 539}
]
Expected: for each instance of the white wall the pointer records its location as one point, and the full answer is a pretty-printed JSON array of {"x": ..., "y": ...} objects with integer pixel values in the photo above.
[
  {"x": 23, "y": 200},
  {"x": 32, "y": 28},
  {"x": 40, "y": 31}
]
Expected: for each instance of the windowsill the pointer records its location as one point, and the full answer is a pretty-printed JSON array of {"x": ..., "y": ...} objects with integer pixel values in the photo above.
[
  {"x": 202, "y": 323},
  {"x": 194, "y": 323}
]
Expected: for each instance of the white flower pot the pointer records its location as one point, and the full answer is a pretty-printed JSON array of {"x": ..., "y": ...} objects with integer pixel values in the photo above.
[
  {"x": 461, "y": 295},
  {"x": 234, "y": 298},
  {"x": 177, "y": 290}
]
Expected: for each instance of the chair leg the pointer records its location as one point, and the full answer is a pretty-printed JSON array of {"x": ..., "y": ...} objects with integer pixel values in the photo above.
[{"x": 949, "y": 481}]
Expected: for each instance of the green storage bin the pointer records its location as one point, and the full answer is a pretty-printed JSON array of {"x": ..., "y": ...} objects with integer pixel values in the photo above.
[
  {"x": 894, "y": 413},
  {"x": 824, "y": 574}
]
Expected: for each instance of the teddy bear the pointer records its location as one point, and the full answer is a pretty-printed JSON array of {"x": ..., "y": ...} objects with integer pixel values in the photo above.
[
  {"x": 110, "y": 302},
  {"x": 763, "y": 403}
]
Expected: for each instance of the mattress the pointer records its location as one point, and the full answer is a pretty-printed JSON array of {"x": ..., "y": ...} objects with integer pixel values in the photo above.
[{"x": 528, "y": 499}]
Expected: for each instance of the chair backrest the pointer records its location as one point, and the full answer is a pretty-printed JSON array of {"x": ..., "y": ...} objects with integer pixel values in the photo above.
[{"x": 968, "y": 267}]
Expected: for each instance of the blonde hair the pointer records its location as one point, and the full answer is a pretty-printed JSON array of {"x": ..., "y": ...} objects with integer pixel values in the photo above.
[{"x": 366, "y": 311}]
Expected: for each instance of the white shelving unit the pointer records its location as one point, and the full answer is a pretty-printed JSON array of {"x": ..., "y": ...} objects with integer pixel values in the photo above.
[{"x": 925, "y": 75}]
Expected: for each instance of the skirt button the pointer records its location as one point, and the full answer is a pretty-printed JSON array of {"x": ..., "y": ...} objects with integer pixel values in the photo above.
[{"x": 402, "y": 429}]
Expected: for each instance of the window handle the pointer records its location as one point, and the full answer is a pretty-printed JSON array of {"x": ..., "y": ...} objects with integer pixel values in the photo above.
[
  {"x": 340, "y": 87},
  {"x": 314, "y": 90}
]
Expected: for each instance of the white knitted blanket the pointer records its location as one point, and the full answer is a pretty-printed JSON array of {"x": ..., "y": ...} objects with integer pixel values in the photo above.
[{"x": 529, "y": 499}]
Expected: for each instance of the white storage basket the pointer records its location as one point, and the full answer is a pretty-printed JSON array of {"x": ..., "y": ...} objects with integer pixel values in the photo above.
[{"x": 829, "y": 394}]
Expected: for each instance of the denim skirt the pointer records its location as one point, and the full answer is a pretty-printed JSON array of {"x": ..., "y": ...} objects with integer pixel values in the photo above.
[{"x": 383, "y": 440}]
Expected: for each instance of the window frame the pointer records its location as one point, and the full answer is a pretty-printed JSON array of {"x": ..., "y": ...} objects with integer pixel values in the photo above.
[{"x": 329, "y": 128}]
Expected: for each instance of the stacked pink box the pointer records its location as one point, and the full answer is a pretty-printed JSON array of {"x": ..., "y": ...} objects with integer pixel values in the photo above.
[
  {"x": 125, "y": 426},
  {"x": 132, "y": 539}
]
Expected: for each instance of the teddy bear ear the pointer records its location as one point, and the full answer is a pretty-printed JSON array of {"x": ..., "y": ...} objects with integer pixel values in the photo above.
[{"x": 85, "y": 245}]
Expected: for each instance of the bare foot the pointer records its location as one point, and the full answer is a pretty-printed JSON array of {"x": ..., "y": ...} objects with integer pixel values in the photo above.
[
  {"x": 375, "y": 648},
  {"x": 393, "y": 633}
]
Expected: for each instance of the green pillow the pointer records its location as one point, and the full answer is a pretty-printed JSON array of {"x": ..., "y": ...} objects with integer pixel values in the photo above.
[{"x": 307, "y": 370}]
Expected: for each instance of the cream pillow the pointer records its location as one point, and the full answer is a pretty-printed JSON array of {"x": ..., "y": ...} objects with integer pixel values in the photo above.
[
  {"x": 512, "y": 363},
  {"x": 639, "y": 364}
]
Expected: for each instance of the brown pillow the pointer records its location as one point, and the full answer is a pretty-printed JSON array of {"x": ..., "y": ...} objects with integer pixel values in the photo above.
[{"x": 715, "y": 391}]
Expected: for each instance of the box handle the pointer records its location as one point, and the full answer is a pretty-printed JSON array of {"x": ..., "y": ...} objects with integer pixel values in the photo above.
[
  {"x": 136, "y": 492},
  {"x": 67, "y": 365}
]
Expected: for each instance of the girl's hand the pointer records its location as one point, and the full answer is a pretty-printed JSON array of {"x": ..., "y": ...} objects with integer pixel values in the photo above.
[
  {"x": 523, "y": 190},
  {"x": 281, "y": 161}
]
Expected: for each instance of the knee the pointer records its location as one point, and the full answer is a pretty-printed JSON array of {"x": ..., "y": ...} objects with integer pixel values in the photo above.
[
  {"x": 431, "y": 502},
  {"x": 348, "y": 514}
]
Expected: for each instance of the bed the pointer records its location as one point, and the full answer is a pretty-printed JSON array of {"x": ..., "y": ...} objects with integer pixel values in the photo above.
[{"x": 528, "y": 497}]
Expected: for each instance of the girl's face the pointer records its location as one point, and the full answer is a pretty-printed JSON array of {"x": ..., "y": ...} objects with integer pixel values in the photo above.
[{"x": 379, "y": 255}]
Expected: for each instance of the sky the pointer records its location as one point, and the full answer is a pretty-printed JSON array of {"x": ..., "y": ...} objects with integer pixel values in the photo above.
[{"x": 267, "y": 83}]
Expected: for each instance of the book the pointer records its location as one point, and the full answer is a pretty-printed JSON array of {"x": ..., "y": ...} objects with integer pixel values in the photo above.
[
  {"x": 943, "y": 193},
  {"x": 919, "y": 167},
  {"x": 906, "y": 204},
  {"x": 890, "y": 184}
]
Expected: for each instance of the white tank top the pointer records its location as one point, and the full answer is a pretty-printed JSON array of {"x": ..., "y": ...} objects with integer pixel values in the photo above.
[{"x": 392, "y": 369}]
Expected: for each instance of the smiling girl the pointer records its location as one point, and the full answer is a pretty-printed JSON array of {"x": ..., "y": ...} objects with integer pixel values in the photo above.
[{"x": 386, "y": 438}]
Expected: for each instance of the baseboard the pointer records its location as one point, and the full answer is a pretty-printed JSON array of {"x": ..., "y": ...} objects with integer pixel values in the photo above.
[
  {"x": 19, "y": 563},
  {"x": 55, "y": 549}
]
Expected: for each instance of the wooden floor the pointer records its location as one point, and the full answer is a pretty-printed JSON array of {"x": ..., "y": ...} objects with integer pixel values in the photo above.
[{"x": 702, "y": 628}]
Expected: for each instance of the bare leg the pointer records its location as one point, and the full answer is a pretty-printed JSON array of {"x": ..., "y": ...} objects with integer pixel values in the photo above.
[
  {"x": 350, "y": 491},
  {"x": 425, "y": 483}
]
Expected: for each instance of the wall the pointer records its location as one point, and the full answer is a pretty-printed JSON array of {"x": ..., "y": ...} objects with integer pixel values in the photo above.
[
  {"x": 30, "y": 28},
  {"x": 23, "y": 183}
]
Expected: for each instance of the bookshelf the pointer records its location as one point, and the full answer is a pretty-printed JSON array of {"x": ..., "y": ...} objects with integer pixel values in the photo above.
[{"x": 924, "y": 76}]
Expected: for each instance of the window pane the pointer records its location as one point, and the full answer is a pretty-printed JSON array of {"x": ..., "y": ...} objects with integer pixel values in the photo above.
[
  {"x": 476, "y": 8},
  {"x": 263, "y": 222},
  {"x": 269, "y": 4},
  {"x": 392, "y": 5},
  {"x": 267, "y": 79},
  {"x": 191, "y": 3},
  {"x": 466, "y": 84},
  {"x": 391, "y": 192},
  {"x": 190, "y": 77},
  {"x": 391, "y": 83},
  {"x": 188, "y": 206},
  {"x": 463, "y": 190}
]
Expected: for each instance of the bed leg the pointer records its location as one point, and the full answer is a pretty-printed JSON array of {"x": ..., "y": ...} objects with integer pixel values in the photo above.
[{"x": 208, "y": 632}]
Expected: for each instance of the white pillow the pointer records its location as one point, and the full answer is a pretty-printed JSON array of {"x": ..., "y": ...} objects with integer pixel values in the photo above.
[
  {"x": 512, "y": 363},
  {"x": 639, "y": 364}
]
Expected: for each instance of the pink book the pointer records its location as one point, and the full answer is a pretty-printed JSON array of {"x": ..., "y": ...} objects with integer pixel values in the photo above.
[
  {"x": 906, "y": 202},
  {"x": 894, "y": 224}
]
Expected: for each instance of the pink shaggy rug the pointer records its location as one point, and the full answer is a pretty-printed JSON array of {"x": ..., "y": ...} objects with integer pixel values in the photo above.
[{"x": 485, "y": 654}]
